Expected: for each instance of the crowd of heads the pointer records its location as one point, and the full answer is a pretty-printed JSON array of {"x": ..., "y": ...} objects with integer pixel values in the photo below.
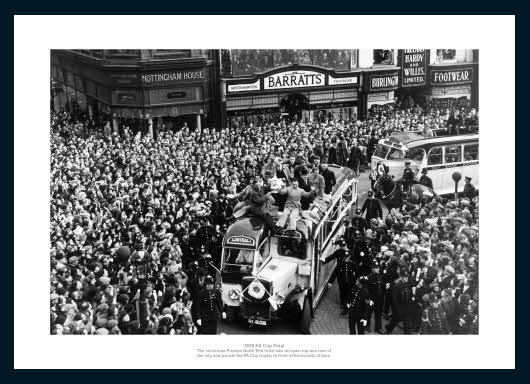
[{"x": 118, "y": 200}]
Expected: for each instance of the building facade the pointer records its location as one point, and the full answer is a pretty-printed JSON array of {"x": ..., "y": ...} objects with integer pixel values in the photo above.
[
  {"x": 262, "y": 84},
  {"x": 148, "y": 89},
  {"x": 143, "y": 89}
]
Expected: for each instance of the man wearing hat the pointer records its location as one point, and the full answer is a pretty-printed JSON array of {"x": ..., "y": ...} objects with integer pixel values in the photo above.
[
  {"x": 425, "y": 180},
  {"x": 372, "y": 207},
  {"x": 469, "y": 189},
  {"x": 376, "y": 289},
  {"x": 359, "y": 306},
  {"x": 434, "y": 319},
  {"x": 358, "y": 222},
  {"x": 210, "y": 305},
  {"x": 402, "y": 303},
  {"x": 344, "y": 272},
  {"x": 408, "y": 176}
]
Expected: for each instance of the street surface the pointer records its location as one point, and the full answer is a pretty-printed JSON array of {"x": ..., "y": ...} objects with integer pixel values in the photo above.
[{"x": 328, "y": 320}]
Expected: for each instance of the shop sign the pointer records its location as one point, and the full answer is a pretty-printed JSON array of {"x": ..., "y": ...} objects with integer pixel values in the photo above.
[
  {"x": 414, "y": 67},
  {"x": 451, "y": 76},
  {"x": 124, "y": 78},
  {"x": 243, "y": 87},
  {"x": 241, "y": 241},
  {"x": 333, "y": 105},
  {"x": 254, "y": 112},
  {"x": 294, "y": 79},
  {"x": 384, "y": 81},
  {"x": 343, "y": 80},
  {"x": 176, "y": 95},
  {"x": 126, "y": 97},
  {"x": 171, "y": 77}
]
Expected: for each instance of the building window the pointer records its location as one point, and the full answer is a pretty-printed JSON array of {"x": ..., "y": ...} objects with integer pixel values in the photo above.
[
  {"x": 383, "y": 57},
  {"x": 446, "y": 55}
]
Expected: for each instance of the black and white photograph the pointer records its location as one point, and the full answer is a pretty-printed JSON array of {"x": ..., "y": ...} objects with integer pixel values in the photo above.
[
  {"x": 264, "y": 191},
  {"x": 271, "y": 192}
]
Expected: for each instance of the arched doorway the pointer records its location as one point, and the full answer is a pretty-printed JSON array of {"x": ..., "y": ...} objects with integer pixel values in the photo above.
[{"x": 293, "y": 105}]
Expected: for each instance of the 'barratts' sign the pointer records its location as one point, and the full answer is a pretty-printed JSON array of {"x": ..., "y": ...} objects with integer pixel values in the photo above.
[{"x": 414, "y": 67}]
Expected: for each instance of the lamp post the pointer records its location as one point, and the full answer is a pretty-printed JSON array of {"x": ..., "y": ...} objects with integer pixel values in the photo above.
[{"x": 456, "y": 177}]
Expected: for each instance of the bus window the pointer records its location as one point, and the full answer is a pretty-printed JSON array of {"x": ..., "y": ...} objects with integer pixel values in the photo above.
[
  {"x": 471, "y": 152},
  {"x": 416, "y": 154},
  {"x": 396, "y": 154},
  {"x": 453, "y": 154},
  {"x": 435, "y": 156},
  {"x": 239, "y": 260},
  {"x": 381, "y": 151},
  {"x": 292, "y": 247}
]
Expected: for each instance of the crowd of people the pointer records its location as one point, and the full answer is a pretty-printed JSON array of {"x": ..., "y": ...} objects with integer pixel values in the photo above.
[
  {"x": 137, "y": 222},
  {"x": 417, "y": 266}
]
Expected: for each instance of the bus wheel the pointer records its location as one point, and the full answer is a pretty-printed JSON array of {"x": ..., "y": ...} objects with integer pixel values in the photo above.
[{"x": 305, "y": 318}]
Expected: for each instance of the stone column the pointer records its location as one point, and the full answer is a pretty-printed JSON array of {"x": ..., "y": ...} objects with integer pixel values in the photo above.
[
  {"x": 115, "y": 124},
  {"x": 150, "y": 125},
  {"x": 198, "y": 117}
]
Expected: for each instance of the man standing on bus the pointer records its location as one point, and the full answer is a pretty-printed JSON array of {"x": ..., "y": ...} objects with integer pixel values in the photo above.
[
  {"x": 469, "y": 189},
  {"x": 344, "y": 272},
  {"x": 372, "y": 207},
  {"x": 425, "y": 180}
]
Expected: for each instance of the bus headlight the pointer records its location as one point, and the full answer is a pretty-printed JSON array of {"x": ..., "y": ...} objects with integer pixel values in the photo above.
[
  {"x": 234, "y": 294},
  {"x": 280, "y": 299}
]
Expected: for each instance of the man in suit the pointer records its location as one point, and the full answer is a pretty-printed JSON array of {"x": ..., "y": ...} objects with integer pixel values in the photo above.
[
  {"x": 288, "y": 168},
  {"x": 317, "y": 182},
  {"x": 329, "y": 178}
]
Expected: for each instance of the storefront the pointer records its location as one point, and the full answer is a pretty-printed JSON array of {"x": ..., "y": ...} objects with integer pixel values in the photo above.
[
  {"x": 454, "y": 82},
  {"x": 378, "y": 88},
  {"x": 78, "y": 90},
  {"x": 297, "y": 92},
  {"x": 414, "y": 86},
  {"x": 145, "y": 98}
]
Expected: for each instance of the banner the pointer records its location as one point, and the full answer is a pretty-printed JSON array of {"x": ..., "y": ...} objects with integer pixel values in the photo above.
[{"x": 413, "y": 67}]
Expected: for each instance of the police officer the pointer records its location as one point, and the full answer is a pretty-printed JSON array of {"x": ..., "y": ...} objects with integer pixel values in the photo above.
[
  {"x": 376, "y": 288},
  {"x": 359, "y": 222},
  {"x": 358, "y": 306},
  {"x": 205, "y": 261},
  {"x": 408, "y": 176},
  {"x": 469, "y": 189},
  {"x": 372, "y": 207},
  {"x": 361, "y": 255},
  {"x": 425, "y": 180},
  {"x": 402, "y": 303},
  {"x": 210, "y": 305},
  {"x": 349, "y": 232},
  {"x": 344, "y": 272}
]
